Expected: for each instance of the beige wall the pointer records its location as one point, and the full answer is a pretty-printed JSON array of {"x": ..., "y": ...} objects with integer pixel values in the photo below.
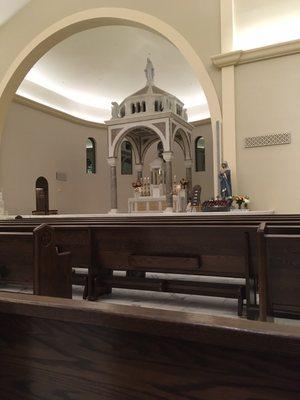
[
  {"x": 205, "y": 178},
  {"x": 267, "y": 101},
  {"x": 37, "y": 144}
]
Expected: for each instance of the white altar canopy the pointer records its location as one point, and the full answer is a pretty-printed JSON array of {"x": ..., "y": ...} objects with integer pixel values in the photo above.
[{"x": 147, "y": 116}]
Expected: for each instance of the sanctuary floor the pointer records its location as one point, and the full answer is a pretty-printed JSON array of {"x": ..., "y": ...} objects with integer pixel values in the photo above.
[{"x": 143, "y": 214}]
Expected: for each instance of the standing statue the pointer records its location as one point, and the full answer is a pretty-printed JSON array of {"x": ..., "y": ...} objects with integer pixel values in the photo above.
[
  {"x": 149, "y": 72},
  {"x": 184, "y": 114},
  {"x": 114, "y": 109},
  {"x": 225, "y": 180}
]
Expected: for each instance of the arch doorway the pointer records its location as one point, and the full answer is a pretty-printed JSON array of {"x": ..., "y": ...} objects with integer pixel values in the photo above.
[{"x": 42, "y": 197}]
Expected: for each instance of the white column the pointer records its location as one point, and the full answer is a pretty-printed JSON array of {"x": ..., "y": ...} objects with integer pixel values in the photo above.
[
  {"x": 168, "y": 156},
  {"x": 139, "y": 171},
  {"x": 112, "y": 161},
  {"x": 228, "y": 91},
  {"x": 189, "y": 176}
]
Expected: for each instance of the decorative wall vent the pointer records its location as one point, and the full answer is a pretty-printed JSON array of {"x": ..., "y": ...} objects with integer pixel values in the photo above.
[{"x": 268, "y": 140}]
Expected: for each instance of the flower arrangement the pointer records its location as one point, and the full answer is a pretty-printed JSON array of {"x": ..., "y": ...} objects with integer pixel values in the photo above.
[
  {"x": 241, "y": 199},
  {"x": 136, "y": 185}
]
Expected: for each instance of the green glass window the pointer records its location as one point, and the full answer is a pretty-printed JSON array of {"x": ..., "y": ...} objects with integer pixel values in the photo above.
[
  {"x": 90, "y": 148},
  {"x": 126, "y": 158},
  {"x": 200, "y": 153}
]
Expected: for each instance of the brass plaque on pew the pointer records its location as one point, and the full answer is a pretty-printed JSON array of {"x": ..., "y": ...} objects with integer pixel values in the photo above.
[{"x": 163, "y": 263}]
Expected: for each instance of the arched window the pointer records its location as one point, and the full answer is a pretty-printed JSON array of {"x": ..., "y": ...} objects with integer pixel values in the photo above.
[
  {"x": 200, "y": 153},
  {"x": 178, "y": 109},
  {"x": 126, "y": 158},
  {"x": 158, "y": 106},
  {"x": 143, "y": 106},
  {"x": 90, "y": 148}
]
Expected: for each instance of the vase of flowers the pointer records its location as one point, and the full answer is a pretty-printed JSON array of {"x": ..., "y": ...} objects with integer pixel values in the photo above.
[
  {"x": 137, "y": 187},
  {"x": 241, "y": 200}
]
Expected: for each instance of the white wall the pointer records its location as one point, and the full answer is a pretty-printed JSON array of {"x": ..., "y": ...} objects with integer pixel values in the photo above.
[
  {"x": 264, "y": 22},
  {"x": 37, "y": 144},
  {"x": 268, "y": 101}
]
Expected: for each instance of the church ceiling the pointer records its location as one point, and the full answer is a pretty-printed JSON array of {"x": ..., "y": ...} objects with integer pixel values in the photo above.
[{"x": 83, "y": 74}]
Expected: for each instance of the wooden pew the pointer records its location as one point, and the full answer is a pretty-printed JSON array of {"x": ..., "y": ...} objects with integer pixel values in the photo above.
[
  {"x": 210, "y": 250},
  {"x": 89, "y": 244},
  {"x": 75, "y": 236},
  {"x": 31, "y": 257},
  {"x": 78, "y": 239},
  {"x": 279, "y": 271},
  {"x": 65, "y": 349}
]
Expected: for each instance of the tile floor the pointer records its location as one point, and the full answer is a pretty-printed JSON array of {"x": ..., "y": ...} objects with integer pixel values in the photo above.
[{"x": 166, "y": 301}]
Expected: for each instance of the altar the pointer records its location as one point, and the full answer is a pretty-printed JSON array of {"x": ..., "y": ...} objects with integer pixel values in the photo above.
[{"x": 147, "y": 204}]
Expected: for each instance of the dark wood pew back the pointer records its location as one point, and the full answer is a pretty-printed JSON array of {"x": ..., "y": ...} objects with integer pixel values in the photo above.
[
  {"x": 63, "y": 349},
  {"x": 221, "y": 247},
  {"x": 16, "y": 257}
]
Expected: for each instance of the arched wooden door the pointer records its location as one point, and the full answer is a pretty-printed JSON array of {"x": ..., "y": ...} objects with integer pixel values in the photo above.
[{"x": 42, "y": 195}]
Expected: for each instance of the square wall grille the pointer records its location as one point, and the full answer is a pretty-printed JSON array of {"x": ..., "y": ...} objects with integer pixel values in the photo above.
[{"x": 268, "y": 140}]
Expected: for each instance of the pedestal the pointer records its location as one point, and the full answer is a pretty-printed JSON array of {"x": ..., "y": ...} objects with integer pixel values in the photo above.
[{"x": 113, "y": 185}]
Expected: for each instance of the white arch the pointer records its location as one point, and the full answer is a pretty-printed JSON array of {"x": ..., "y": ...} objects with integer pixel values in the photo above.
[
  {"x": 147, "y": 148},
  {"x": 113, "y": 148},
  {"x": 91, "y": 18},
  {"x": 134, "y": 150},
  {"x": 186, "y": 141}
]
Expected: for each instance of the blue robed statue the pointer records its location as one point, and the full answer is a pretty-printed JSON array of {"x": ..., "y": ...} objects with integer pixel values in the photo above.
[{"x": 225, "y": 180}]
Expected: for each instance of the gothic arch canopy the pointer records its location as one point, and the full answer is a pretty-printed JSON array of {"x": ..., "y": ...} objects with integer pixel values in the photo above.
[
  {"x": 140, "y": 134},
  {"x": 183, "y": 138}
]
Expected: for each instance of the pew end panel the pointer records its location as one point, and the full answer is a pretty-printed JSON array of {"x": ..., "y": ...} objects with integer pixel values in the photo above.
[{"x": 52, "y": 268}]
